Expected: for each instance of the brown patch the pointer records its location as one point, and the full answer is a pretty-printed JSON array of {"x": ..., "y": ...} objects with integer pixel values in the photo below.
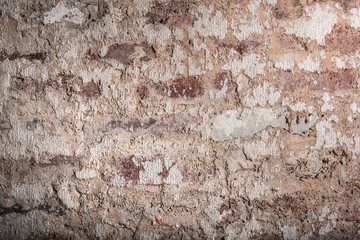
[
  {"x": 173, "y": 13},
  {"x": 126, "y": 52},
  {"x": 220, "y": 80},
  {"x": 90, "y": 90},
  {"x": 75, "y": 85},
  {"x": 132, "y": 125},
  {"x": 142, "y": 126},
  {"x": 167, "y": 127},
  {"x": 343, "y": 39},
  {"x": 40, "y": 56},
  {"x": 143, "y": 92},
  {"x": 128, "y": 169},
  {"x": 292, "y": 206},
  {"x": 92, "y": 55},
  {"x": 27, "y": 85},
  {"x": 188, "y": 88},
  {"x": 325, "y": 81},
  {"x": 243, "y": 46},
  {"x": 54, "y": 161},
  {"x": 349, "y": 204},
  {"x": 288, "y": 9}
]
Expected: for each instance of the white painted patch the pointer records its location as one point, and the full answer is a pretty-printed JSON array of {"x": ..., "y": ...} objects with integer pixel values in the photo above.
[
  {"x": 285, "y": 64},
  {"x": 310, "y": 65},
  {"x": 231, "y": 124},
  {"x": 288, "y": 232},
  {"x": 32, "y": 192},
  {"x": 151, "y": 172},
  {"x": 179, "y": 34},
  {"x": 250, "y": 64},
  {"x": 321, "y": 23},
  {"x": 355, "y": 17},
  {"x": 354, "y": 108},
  {"x": 261, "y": 95},
  {"x": 207, "y": 26},
  {"x": 68, "y": 195},
  {"x": 246, "y": 27},
  {"x": 327, "y": 106},
  {"x": 339, "y": 62},
  {"x": 250, "y": 228},
  {"x": 142, "y": 6},
  {"x": 86, "y": 174},
  {"x": 258, "y": 149},
  {"x": 174, "y": 177},
  {"x": 157, "y": 34},
  {"x": 325, "y": 135},
  {"x": 21, "y": 140},
  {"x": 61, "y": 12}
]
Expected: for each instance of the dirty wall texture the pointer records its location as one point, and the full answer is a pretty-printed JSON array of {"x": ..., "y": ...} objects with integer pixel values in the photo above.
[{"x": 183, "y": 119}]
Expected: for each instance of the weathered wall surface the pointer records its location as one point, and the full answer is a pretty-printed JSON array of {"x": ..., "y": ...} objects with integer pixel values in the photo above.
[{"x": 180, "y": 119}]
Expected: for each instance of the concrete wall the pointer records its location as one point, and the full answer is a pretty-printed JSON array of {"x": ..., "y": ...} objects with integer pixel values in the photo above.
[{"x": 181, "y": 119}]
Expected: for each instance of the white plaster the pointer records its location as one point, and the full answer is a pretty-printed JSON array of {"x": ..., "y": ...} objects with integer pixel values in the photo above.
[
  {"x": 310, "y": 65},
  {"x": 61, "y": 12},
  {"x": 150, "y": 174},
  {"x": 321, "y": 23},
  {"x": 21, "y": 140},
  {"x": 142, "y": 6},
  {"x": 339, "y": 62},
  {"x": 246, "y": 26},
  {"x": 327, "y": 106},
  {"x": 288, "y": 232},
  {"x": 85, "y": 174},
  {"x": 261, "y": 95},
  {"x": 207, "y": 26},
  {"x": 32, "y": 192},
  {"x": 355, "y": 17},
  {"x": 250, "y": 64},
  {"x": 285, "y": 64},
  {"x": 157, "y": 34}
]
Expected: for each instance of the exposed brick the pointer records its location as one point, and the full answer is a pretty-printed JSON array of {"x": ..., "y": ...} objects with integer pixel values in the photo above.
[
  {"x": 172, "y": 13},
  {"x": 221, "y": 79},
  {"x": 186, "y": 88},
  {"x": 325, "y": 81},
  {"x": 344, "y": 39},
  {"x": 128, "y": 169}
]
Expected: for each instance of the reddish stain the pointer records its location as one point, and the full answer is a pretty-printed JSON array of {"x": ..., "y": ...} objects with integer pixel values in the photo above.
[
  {"x": 128, "y": 169},
  {"x": 221, "y": 79},
  {"x": 188, "y": 88},
  {"x": 90, "y": 90},
  {"x": 67, "y": 83},
  {"x": 242, "y": 47},
  {"x": 143, "y": 92},
  {"x": 325, "y": 81},
  {"x": 343, "y": 39}
]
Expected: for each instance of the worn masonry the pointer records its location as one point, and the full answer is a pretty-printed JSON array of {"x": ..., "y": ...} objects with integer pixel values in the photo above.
[{"x": 180, "y": 119}]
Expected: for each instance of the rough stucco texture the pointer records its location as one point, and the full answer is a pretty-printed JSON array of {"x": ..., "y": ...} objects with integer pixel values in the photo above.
[{"x": 181, "y": 119}]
